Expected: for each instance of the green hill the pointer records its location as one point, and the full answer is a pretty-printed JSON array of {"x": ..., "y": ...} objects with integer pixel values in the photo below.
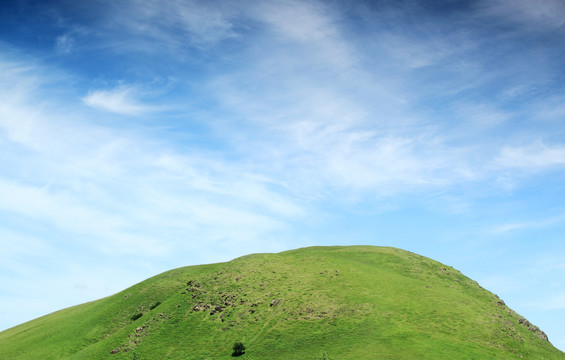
[{"x": 358, "y": 302}]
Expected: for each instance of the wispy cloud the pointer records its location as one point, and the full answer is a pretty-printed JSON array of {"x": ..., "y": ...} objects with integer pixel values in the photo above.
[
  {"x": 536, "y": 14},
  {"x": 532, "y": 224},
  {"x": 533, "y": 157},
  {"x": 311, "y": 24},
  {"x": 345, "y": 138},
  {"x": 166, "y": 26},
  {"x": 64, "y": 44},
  {"x": 117, "y": 192},
  {"x": 121, "y": 100},
  {"x": 382, "y": 141}
]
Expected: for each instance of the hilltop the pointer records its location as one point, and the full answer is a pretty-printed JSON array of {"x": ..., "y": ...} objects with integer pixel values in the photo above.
[{"x": 358, "y": 302}]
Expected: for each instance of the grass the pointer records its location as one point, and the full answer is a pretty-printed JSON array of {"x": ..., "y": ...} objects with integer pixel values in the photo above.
[{"x": 356, "y": 302}]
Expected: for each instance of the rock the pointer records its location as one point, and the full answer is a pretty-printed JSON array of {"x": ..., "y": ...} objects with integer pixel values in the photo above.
[
  {"x": 200, "y": 307},
  {"x": 542, "y": 336},
  {"x": 536, "y": 330},
  {"x": 216, "y": 309}
]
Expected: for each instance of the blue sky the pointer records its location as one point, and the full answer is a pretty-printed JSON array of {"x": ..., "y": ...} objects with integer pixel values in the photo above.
[{"x": 140, "y": 136}]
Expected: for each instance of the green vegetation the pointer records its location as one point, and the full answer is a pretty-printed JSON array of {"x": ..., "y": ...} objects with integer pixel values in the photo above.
[
  {"x": 238, "y": 349},
  {"x": 357, "y": 302}
]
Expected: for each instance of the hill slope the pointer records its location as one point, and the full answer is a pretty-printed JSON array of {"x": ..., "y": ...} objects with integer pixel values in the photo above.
[{"x": 356, "y": 302}]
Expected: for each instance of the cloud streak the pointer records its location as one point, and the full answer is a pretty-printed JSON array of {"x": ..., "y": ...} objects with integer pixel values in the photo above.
[
  {"x": 124, "y": 190},
  {"x": 534, "y": 157},
  {"x": 537, "y": 14},
  {"x": 121, "y": 100},
  {"x": 516, "y": 226}
]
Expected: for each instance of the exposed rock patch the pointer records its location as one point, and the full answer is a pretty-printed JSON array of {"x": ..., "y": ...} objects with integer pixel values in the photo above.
[{"x": 536, "y": 330}]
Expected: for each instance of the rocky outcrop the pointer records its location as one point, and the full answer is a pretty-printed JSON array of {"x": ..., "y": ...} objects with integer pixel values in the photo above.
[{"x": 536, "y": 330}]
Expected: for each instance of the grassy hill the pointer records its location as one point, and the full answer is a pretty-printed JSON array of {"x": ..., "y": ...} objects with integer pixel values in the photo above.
[{"x": 358, "y": 302}]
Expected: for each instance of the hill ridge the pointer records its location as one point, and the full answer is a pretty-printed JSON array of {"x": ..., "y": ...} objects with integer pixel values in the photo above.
[{"x": 349, "y": 302}]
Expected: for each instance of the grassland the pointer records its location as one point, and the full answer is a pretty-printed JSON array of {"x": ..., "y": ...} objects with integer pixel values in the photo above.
[{"x": 356, "y": 302}]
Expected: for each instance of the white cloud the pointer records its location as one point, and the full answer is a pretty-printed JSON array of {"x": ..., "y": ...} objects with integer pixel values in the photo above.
[
  {"x": 301, "y": 21},
  {"x": 328, "y": 138},
  {"x": 70, "y": 214},
  {"x": 121, "y": 100},
  {"x": 478, "y": 117},
  {"x": 312, "y": 24},
  {"x": 116, "y": 192},
  {"x": 532, "y": 224},
  {"x": 18, "y": 82},
  {"x": 532, "y": 158},
  {"x": 166, "y": 26}
]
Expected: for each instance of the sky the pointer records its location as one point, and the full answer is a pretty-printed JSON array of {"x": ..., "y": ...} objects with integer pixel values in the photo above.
[{"x": 141, "y": 136}]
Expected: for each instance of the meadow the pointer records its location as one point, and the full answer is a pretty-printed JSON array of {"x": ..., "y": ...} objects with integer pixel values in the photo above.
[{"x": 355, "y": 302}]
